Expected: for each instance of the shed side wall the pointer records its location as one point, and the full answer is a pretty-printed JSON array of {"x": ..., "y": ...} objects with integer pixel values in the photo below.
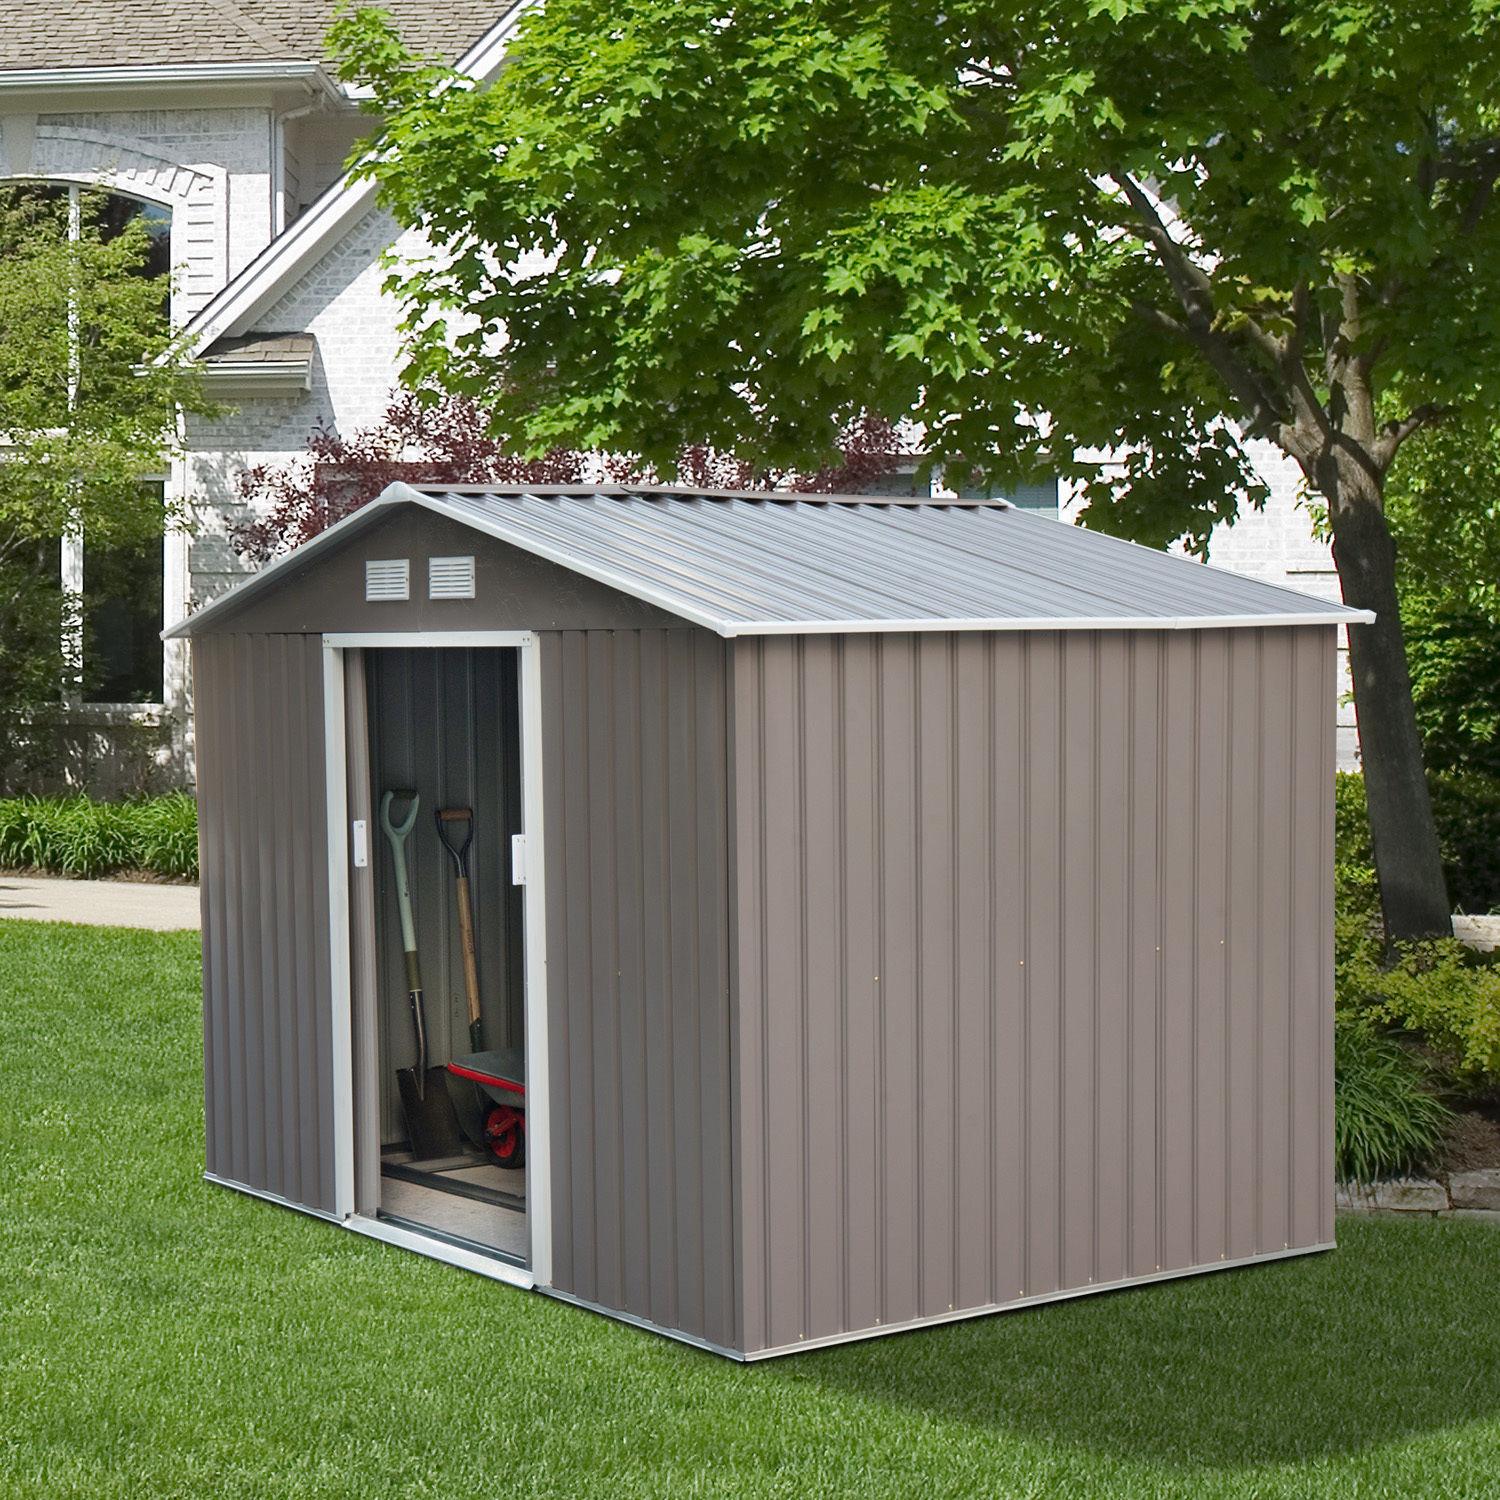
[
  {"x": 635, "y": 754},
  {"x": 264, "y": 860},
  {"x": 1033, "y": 978}
]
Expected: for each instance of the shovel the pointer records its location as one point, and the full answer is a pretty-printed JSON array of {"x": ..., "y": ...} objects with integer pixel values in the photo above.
[
  {"x": 446, "y": 817},
  {"x": 430, "y": 1118}
]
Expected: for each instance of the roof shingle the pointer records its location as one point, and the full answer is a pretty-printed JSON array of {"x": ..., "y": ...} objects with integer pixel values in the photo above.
[{"x": 141, "y": 33}]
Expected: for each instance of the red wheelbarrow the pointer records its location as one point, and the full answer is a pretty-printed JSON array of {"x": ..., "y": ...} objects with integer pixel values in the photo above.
[{"x": 501, "y": 1076}]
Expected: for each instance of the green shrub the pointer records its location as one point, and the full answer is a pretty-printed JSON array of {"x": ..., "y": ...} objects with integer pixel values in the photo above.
[
  {"x": 165, "y": 831},
  {"x": 1357, "y": 932},
  {"x": 1466, "y": 808},
  {"x": 1385, "y": 1123},
  {"x": 1448, "y": 993},
  {"x": 80, "y": 837}
]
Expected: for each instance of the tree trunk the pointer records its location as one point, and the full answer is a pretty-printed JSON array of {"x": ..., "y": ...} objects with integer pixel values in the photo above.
[{"x": 1413, "y": 892}]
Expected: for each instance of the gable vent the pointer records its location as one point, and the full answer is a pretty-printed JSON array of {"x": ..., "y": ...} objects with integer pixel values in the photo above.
[
  {"x": 450, "y": 577},
  {"x": 389, "y": 578}
]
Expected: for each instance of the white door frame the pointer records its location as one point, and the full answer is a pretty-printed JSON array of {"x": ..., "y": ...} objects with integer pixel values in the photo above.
[{"x": 538, "y": 1112}]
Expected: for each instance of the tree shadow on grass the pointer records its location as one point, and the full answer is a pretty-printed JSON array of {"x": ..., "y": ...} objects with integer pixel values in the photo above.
[{"x": 1395, "y": 1334}]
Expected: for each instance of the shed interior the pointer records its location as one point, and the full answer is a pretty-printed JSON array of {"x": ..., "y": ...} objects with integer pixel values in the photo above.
[{"x": 445, "y": 725}]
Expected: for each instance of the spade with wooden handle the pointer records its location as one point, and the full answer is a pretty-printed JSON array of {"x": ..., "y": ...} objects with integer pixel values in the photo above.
[{"x": 448, "y": 819}]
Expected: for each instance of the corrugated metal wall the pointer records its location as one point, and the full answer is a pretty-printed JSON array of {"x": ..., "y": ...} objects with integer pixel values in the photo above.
[
  {"x": 1033, "y": 981},
  {"x": 634, "y": 732},
  {"x": 264, "y": 850},
  {"x": 446, "y": 722}
]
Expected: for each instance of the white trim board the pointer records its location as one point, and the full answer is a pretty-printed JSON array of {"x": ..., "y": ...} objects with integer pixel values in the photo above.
[
  {"x": 538, "y": 1107},
  {"x": 312, "y": 75},
  {"x": 534, "y": 911},
  {"x": 336, "y": 793},
  {"x": 436, "y": 1249},
  {"x": 376, "y": 639}
]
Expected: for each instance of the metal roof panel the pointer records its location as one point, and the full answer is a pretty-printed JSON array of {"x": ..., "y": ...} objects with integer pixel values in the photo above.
[{"x": 745, "y": 564}]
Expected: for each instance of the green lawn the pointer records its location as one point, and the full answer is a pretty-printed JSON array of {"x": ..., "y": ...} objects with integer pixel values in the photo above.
[{"x": 162, "y": 1337}]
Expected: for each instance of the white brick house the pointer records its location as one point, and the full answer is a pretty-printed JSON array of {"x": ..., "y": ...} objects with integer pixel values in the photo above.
[{"x": 223, "y": 117}]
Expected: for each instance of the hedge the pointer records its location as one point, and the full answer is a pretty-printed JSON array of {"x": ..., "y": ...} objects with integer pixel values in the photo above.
[{"x": 80, "y": 837}]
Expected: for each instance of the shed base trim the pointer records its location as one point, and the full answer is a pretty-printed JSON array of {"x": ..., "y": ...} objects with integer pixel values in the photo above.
[
  {"x": 436, "y": 1249},
  {"x": 646, "y": 1325},
  {"x": 395, "y": 1234},
  {"x": 270, "y": 1197},
  {"x": 989, "y": 1309}
]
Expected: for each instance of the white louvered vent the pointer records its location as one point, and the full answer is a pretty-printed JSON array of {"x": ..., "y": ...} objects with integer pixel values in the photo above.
[
  {"x": 450, "y": 577},
  {"x": 388, "y": 578}
]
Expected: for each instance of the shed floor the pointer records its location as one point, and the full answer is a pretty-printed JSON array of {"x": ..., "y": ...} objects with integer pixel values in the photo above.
[{"x": 502, "y": 1229}]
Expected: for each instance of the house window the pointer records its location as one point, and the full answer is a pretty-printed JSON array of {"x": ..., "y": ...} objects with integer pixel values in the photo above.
[
  {"x": 122, "y": 619},
  {"x": 113, "y": 640},
  {"x": 897, "y": 482},
  {"x": 1037, "y": 495}
]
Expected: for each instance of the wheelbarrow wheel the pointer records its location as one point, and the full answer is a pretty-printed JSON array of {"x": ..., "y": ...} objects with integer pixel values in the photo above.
[{"x": 505, "y": 1130}]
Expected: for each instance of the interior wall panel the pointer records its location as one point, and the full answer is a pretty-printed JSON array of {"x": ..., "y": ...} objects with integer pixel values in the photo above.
[
  {"x": 264, "y": 883},
  {"x": 1033, "y": 981},
  {"x": 444, "y": 721}
]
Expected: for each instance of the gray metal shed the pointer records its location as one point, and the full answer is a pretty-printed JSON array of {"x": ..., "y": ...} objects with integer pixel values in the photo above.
[{"x": 926, "y": 907}]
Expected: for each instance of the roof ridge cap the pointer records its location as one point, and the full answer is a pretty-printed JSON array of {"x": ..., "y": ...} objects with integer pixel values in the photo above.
[{"x": 275, "y": 45}]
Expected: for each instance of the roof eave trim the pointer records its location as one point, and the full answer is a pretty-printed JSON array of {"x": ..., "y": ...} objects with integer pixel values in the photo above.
[
  {"x": 235, "y": 307},
  {"x": 311, "y": 74},
  {"x": 1341, "y": 616}
]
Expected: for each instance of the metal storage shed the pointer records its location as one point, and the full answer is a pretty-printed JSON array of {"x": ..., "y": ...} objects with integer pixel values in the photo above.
[{"x": 927, "y": 907}]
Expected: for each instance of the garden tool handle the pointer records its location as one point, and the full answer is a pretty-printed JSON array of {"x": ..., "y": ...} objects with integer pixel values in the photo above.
[
  {"x": 396, "y": 833},
  {"x": 445, "y": 817},
  {"x": 466, "y": 942}
]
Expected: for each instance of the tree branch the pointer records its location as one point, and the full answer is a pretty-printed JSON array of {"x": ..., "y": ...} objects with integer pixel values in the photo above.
[
  {"x": 1393, "y": 434},
  {"x": 1188, "y": 278},
  {"x": 1479, "y": 200},
  {"x": 1162, "y": 322},
  {"x": 1200, "y": 326}
]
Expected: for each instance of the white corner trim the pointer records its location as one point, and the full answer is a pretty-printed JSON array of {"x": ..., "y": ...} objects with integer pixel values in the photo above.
[
  {"x": 234, "y": 309},
  {"x": 534, "y": 916},
  {"x": 340, "y": 979}
]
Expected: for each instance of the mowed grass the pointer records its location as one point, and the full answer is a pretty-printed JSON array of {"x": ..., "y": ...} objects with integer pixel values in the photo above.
[{"x": 163, "y": 1337}]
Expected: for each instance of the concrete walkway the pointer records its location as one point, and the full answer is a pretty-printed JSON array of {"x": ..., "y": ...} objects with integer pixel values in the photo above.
[{"x": 99, "y": 903}]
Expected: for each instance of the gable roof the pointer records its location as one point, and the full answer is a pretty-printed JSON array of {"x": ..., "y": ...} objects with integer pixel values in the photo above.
[
  {"x": 108, "y": 33},
  {"x": 742, "y": 563}
]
